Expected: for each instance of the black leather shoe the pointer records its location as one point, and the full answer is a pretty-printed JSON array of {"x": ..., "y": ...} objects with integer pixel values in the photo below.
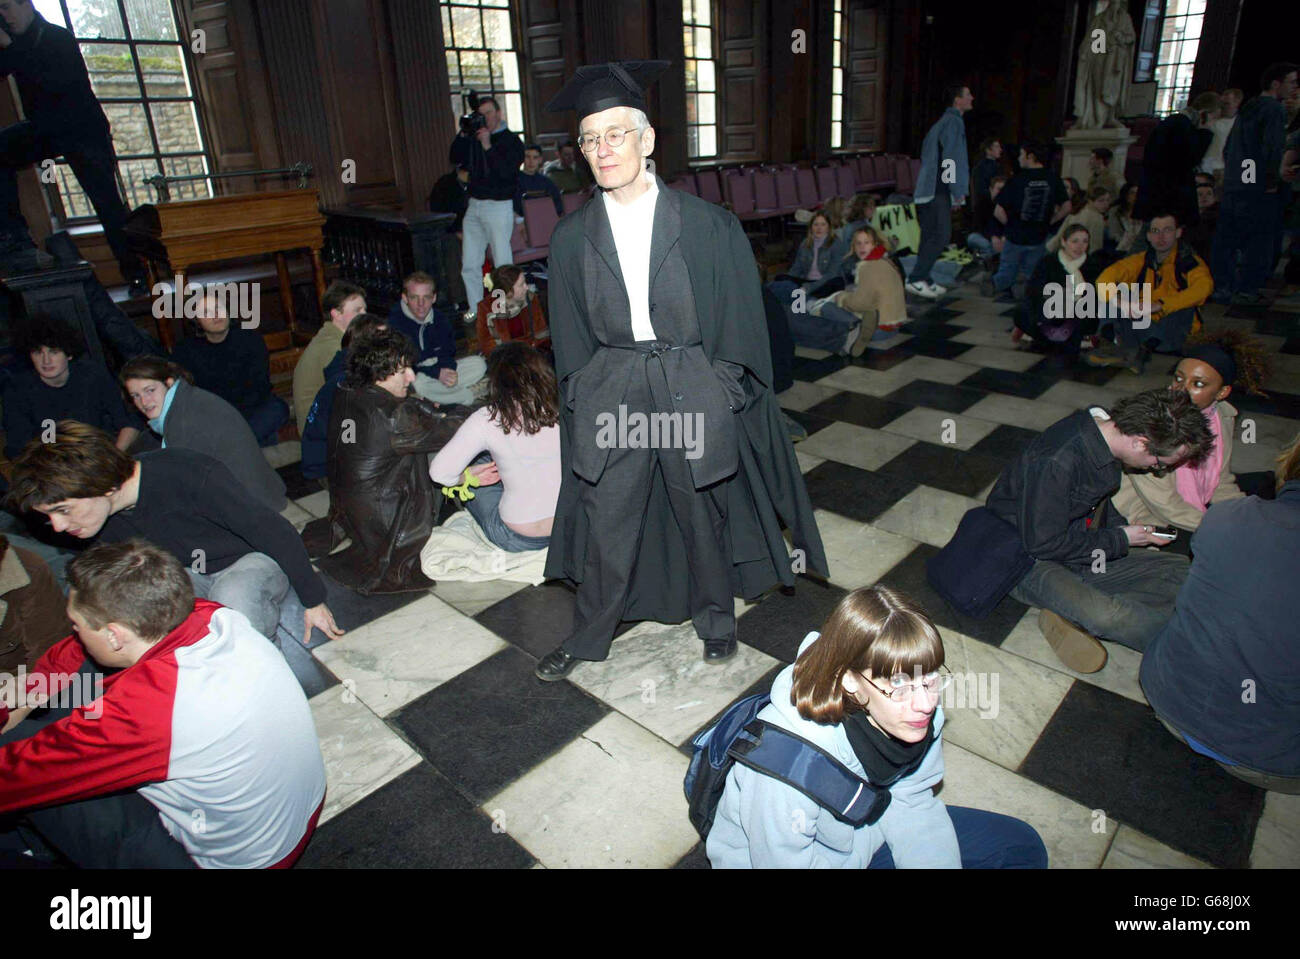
[
  {"x": 718, "y": 651},
  {"x": 555, "y": 665}
]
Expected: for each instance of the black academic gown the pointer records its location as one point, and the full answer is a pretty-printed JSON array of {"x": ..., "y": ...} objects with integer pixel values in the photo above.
[{"x": 703, "y": 277}]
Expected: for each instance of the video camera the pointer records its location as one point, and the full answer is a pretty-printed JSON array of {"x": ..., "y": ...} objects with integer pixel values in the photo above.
[{"x": 472, "y": 121}]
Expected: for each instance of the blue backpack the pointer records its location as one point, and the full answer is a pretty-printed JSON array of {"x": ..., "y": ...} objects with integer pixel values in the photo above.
[{"x": 739, "y": 737}]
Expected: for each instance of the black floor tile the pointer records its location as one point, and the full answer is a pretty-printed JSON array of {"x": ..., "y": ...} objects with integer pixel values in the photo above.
[
  {"x": 535, "y": 618},
  {"x": 1278, "y": 323},
  {"x": 1110, "y": 753},
  {"x": 909, "y": 578},
  {"x": 489, "y": 725},
  {"x": 811, "y": 370},
  {"x": 779, "y": 623},
  {"x": 812, "y": 422},
  {"x": 417, "y": 821},
  {"x": 937, "y": 396},
  {"x": 1274, "y": 404},
  {"x": 1092, "y": 375},
  {"x": 351, "y": 609},
  {"x": 859, "y": 409},
  {"x": 1292, "y": 345},
  {"x": 935, "y": 346},
  {"x": 924, "y": 326},
  {"x": 295, "y": 485},
  {"x": 1005, "y": 443},
  {"x": 1028, "y": 386},
  {"x": 855, "y": 493},
  {"x": 943, "y": 467},
  {"x": 881, "y": 360}
]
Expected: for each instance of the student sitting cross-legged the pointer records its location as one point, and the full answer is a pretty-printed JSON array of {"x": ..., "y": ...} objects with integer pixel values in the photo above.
[
  {"x": 173, "y": 736},
  {"x": 866, "y": 690},
  {"x": 186, "y": 417},
  {"x": 238, "y": 552},
  {"x": 520, "y": 484},
  {"x": 1207, "y": 372}
]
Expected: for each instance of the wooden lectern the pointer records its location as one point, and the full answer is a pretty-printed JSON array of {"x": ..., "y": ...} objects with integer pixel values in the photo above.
[{"x": 174, "y": 237}]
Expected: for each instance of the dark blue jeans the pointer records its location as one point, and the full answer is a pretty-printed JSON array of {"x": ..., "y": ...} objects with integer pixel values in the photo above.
[
  {"x": 987, "y": 840},
  {"x": 1016, "y": 258},
  {"x": 1249, "y": 224},
  {"x": 266, "y": 419}
]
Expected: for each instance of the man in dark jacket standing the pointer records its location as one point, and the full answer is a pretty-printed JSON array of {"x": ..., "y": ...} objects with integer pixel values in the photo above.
[
  {"x": 492, "y": 155},
  {"x": 63, "y": 118},
  {"x": 1057, "y": 496},
  {"x": 677, "y": 470}
]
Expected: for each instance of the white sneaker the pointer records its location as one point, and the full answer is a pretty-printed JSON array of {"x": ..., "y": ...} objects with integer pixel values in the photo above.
[
  {"x": 922, "y": 288},
  {"x": 938, "y": 290},
  {"x": 851, "y": 338}
]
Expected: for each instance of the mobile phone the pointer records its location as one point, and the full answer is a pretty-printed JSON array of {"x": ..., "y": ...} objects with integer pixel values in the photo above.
[{"x": 1165, "y": 532}]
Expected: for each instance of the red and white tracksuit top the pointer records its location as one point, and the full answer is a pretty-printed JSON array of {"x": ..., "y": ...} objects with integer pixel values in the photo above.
[{"x": 210, "y": 725}]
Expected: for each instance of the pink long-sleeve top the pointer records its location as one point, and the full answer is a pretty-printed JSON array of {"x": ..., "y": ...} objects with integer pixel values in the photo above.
[{"x": 529, "y": 465}]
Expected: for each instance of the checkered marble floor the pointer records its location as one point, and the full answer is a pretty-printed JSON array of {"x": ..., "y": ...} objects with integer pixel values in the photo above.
[{"x": 442, "y": 750}]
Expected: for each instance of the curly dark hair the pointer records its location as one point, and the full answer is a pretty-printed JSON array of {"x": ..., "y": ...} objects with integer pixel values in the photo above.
[
  {"x": 378, "y": 356},
  {"x": 363, "y": 324},
  {"x": 1250, "y": 355},
  {"x": 1168, "y": 419},
  {"x": 43, "y": 330},
  {"x": 522, "y": 393}
]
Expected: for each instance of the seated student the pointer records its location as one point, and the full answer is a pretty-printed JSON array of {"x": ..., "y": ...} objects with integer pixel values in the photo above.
[
  {"x": 439, "y": 375},
  {"x": 866, "y": 690},
  {"x": 1179, "y": 283},
  {"x": 1101, "y": 173},
  {"x": 200, "y": 750},
  {"x": 530, "y": 181},
  {"x": 1092, "y": 216},
  {"x": 1207, "y": 373},
  {"x": 981, "y": 179},
  {"x": 313, "y": 437},
  {"x": 62, "y": 385},
  {"x": 1056, "y": 495},
  {"x": 813, "y": 259},
  {"x": 239, "y": 552},
  {"x": 514, "y": 315},
  {"x": 380, "y": 492},
  {"x": 1077, "y": 197},
  {"x": 515, "y": 501},
  {"x": 876, "y": 297},
  {"x": 232, "y": 363},
  {"x": 341, "y": 303},
  {"x": 188, "y": 418},
  {"x": 1125, "y": 233},
  {"x": 1201, "y": 235},
  {"x": 1234, "y": 630},
  {"x": 860, "y": 213},
  {"x": 32, "y": 617},
  {"x": 991, "y": 234},
  {"x": 1043, "y": 316}
]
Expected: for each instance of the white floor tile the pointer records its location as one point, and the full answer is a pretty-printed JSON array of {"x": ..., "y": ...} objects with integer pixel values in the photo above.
[
  {"x": 403, "y": 655},
  {"x": 855, "y": 445},
  {"x": 1134, "y": 850},
  {"x": 1079, "y": 396},
  {"x": 655, "y": 675},
  {"x": 610, "y": 799},
  {"x": 1017, "y": 361},
  {"x": 296, "y": 515},
  {"x": 802, "y": 395},
  {"x": 471, "y": 598},
  {"x": 318, "y": 503},
  {"x": 859, "y": 553},
  {"x": 361, "y": 752},
  {"x": 932, "y": 368},
  {"x": 870, "y": 382},
  {"x": 806, "y": 460},
  {"x": 1017, "y": 411},
  {"x": 1277, "y": 837},
  {"x": 940, "y": 427},
  {"x": 926, "y": 515},
  {"x": 1119, "y": 675}
]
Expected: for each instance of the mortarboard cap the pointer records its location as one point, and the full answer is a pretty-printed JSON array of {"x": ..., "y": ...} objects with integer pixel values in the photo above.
[{"x": 606, "y": 85}]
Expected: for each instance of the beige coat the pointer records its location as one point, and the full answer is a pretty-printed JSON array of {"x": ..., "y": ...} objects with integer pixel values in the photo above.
[
  {"x": 876, "y": 295},
  {"x": 1094, "y": 221},
  {"x": 1147, "y": 499}
]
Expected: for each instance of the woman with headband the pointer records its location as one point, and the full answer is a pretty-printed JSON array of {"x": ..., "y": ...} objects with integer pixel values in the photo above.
[{"x": 1207, "y": 372}]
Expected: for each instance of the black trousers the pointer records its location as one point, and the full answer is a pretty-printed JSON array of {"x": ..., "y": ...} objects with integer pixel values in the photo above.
[
  {"x": 616, "y": 510},
  {"x": 92, "y": 160},
  {"x": 118, "y": 831}
]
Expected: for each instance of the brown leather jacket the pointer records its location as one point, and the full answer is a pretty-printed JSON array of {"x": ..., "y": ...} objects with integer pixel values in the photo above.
[
  {"x": 380, "y": 490},
  {"x": 32, "y": 608}
]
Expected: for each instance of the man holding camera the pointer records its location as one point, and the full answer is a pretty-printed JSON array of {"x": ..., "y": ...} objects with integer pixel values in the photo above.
[{"x": 492, "y": 155}]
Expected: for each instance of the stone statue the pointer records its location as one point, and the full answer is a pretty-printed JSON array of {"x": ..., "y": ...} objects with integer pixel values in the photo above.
[{"x": 1105, "y": 67}]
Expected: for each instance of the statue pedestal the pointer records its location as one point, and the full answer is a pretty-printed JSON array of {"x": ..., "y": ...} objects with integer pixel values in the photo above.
[{"x": 1079, "y": 144}]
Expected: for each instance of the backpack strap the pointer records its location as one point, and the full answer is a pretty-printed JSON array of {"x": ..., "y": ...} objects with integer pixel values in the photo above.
[{"x": 800, "y": 764}]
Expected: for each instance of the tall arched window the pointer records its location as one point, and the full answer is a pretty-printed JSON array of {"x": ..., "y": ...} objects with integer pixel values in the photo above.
[{"x": 481, "y": 56}]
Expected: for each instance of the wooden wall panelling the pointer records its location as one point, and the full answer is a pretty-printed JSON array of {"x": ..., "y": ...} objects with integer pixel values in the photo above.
[
  {"x": 741, "y": 100},
  {"x": 549, "y": 48},
  {"x": 1214, "y": 55},
  {"x": 866, "y": 57},
  {"x": 354, "y": 62},
  {"x": 424, "y": 93},
  {"x": 668, "y": 95}
]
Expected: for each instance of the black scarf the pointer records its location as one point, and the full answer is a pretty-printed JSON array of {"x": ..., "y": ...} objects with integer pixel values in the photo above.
[{"x": 885, "y": 759}]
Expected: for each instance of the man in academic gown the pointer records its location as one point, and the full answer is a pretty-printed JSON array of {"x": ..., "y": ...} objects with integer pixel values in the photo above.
[{"x": 656, "y": 308}]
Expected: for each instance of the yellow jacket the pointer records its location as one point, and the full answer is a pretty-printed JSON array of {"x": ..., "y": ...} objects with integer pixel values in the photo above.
[{"x": 1196, "y": 288}]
